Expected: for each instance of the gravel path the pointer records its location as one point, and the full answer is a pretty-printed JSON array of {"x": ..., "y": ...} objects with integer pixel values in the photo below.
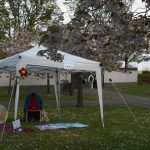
[
  {"x": 115, "y": 98},
  {"x": 110, "y": 98}
]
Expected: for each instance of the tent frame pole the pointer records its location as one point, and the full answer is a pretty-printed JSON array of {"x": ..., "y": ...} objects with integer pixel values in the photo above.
[
  {"x": 57, "y": 89},
  {"x": 16, "y": 100},
  {"x": 17, "y": 88},
  {"x": 100, "y": 97}
]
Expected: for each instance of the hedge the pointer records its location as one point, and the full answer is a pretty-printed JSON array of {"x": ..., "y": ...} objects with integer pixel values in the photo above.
[{"x": 144, "y": 78}]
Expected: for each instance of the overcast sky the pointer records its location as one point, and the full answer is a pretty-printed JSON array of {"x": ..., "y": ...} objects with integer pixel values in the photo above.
[{"x": 137, "y": 6}]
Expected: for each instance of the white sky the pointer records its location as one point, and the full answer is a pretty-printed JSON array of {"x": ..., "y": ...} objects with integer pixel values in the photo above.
[
  {"x": 137, "y": 6},
  {"x": 64, "y": 9}
]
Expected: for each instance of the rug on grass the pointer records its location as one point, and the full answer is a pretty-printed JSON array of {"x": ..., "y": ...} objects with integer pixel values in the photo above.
[
  {"x": 61, "y": 126},
  {"x": 9, "y": 128}
]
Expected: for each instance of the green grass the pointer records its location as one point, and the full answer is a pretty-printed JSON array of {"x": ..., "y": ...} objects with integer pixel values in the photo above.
[
  {"x": 132, "y": 89},
  {"x": 120, "y": 132},
  {"x": 88, "y": 95}
]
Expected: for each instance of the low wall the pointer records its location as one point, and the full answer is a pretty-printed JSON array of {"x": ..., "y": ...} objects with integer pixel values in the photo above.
[
  {"x": 116, "y": 76},
  {"x": 121, "y": 76},
  {"x": 31, "y": 80}
]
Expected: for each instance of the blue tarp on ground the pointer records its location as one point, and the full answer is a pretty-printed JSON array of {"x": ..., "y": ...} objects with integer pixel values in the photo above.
[{"x": 61, "y": 126}]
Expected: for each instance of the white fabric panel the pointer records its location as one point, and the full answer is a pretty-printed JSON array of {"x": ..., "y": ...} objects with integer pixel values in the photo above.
[
  {"x": 30, "y": 59},
  {"x": 67, "y": 57}
]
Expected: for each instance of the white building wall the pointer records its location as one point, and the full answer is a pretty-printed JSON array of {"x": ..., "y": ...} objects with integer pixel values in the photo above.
[
  {"x": 121, "y": 77},
  {"x": 117, "y": 77},
  {"x": 144, "y": 66},
  {"x": 4, "y": 79},
  {"x": 32, "y": 80}
]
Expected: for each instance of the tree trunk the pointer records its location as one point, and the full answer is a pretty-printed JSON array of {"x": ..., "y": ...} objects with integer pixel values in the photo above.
[
  {"x": 72, "y": 84},
  {"x": 48, "y": 83},
  {"x": 103, "y": 78},
  {"x": 126, "y": 63},
  {"x": 80, "y": 91},
  {"x": 15, "y": 87},
  {"x": 9, "y": 88}
]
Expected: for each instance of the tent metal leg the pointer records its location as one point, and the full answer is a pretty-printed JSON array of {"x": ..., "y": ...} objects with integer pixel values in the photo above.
[
  {"x": 16, "y": 100},
  {"x": 99, "y": 88}
]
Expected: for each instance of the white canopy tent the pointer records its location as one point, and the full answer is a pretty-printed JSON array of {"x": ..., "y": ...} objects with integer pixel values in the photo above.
[{"x": 37, "y": 64}]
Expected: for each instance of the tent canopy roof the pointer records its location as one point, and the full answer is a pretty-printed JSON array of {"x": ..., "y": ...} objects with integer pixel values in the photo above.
[
  {"x": 40, "y": 64},
  {"x": 37, "y": 64}
]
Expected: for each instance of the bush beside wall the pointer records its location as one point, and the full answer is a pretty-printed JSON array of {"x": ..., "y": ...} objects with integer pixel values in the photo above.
[{"x": 144, "y": 78}]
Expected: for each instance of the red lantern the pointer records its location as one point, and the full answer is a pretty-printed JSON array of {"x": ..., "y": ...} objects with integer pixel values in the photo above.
[{"x": 23, "y": 72}]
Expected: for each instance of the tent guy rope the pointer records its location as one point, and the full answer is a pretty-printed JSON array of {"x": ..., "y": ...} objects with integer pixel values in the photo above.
[
  {"x": 2, "y": 133},
  {"x": 125, "y": 103}
]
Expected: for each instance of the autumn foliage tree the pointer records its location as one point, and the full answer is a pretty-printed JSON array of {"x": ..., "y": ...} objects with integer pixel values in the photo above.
[
  {"x": 107, "y": 31},
  {"x": 102, "y": 30},
  {"x": 22, "y": 21}
]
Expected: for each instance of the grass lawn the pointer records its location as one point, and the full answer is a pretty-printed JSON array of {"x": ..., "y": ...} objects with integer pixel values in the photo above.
[
  {"x": 132, "y": 89},
  {"x": 88, "y": 94},
  {"x": 120, "y": 132}
]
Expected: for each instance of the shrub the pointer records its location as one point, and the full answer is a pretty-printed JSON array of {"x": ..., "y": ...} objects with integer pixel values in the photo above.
[{"x": 144, "y": 78}]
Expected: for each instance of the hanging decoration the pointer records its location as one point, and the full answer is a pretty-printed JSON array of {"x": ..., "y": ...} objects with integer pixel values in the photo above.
[{"x": 23, "y": 74}]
